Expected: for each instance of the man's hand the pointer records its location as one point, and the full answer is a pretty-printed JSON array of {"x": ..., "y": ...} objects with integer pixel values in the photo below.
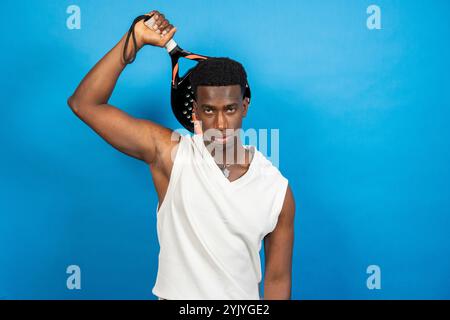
[{"x": 156, "y": 31}]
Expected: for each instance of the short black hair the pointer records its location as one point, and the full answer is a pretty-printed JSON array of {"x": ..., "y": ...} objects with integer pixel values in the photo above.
[{"x": 218, "y": 72}]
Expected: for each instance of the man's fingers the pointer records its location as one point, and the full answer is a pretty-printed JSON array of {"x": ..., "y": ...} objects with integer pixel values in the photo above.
[
  {"x": 163, "y": 25},
  {"x": 160, "y": 19},
  {"x": 169, "y": 32},
  {"x": 151, "y": 22},
  {"x": 166, "y": 30},
  {"x": 197, "y": 124},
  {"x": 160, "y": 24}
]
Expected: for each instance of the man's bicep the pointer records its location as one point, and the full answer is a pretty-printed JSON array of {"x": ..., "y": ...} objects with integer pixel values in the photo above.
[
  {"x": 278, "y": 244},
  {"x": 135, "y": 137}
]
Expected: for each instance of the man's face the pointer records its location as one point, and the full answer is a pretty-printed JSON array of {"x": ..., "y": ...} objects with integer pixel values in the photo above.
[{"x": 220, "y": 110}]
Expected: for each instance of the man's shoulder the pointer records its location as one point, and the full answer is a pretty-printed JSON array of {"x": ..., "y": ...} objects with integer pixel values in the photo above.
[{"x": 267, "y": 166}]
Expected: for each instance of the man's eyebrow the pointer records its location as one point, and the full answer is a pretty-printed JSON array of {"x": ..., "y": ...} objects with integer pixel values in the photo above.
[{"x": 213, "y": 107}]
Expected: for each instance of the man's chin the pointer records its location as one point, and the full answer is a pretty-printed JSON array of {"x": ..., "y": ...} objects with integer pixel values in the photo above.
[{"x": 222, "y": 145}]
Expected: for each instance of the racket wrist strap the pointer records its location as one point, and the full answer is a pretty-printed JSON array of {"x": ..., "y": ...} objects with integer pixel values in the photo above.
[{"x": 129, "y": 60}]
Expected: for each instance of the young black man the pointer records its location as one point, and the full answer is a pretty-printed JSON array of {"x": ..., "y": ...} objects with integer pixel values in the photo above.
[{"x": 213, "y": 212}]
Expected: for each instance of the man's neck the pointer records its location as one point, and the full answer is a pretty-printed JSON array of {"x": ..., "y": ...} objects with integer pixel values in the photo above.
[{"x": 236, "y": 154}]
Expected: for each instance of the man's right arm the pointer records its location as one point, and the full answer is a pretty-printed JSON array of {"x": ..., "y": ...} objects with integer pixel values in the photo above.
[{"x": 139, "y": 138}]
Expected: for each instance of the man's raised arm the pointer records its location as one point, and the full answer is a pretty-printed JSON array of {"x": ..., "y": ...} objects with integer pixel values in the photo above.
[{"x": 141, "y": 139}]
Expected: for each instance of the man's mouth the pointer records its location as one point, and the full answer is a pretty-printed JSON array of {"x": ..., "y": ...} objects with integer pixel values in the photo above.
[{"x": 223, "y": 139}]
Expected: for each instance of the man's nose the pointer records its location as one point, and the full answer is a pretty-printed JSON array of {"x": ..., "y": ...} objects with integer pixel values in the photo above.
[{"x": 221, "y": 121}]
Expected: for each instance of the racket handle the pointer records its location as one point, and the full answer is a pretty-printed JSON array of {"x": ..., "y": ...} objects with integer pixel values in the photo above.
[{"x": 171, "y": 44}]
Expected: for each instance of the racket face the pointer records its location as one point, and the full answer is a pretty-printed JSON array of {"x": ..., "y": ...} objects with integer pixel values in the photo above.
[{"x": 182, "y": 94}]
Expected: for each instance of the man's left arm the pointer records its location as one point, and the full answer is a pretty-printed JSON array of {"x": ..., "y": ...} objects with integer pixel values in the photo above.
[{"x": 278, "y": 247}]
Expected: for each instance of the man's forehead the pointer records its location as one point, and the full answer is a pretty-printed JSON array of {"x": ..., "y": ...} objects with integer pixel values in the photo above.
[{"x": 219, "y": 92}]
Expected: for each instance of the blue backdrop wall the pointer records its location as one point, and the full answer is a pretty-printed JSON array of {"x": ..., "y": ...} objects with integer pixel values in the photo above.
[{"x": 364, "y": 140}]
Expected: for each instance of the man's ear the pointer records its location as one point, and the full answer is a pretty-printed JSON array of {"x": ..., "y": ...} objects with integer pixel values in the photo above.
[{"x": 245, "y": 105}]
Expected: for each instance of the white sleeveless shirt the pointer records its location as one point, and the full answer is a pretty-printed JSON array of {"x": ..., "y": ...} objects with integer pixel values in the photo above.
[{"x": 210, "y": 230}]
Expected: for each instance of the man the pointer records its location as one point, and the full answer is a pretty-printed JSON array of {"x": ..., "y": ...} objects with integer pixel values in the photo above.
[{"x": 213, "y": 211}]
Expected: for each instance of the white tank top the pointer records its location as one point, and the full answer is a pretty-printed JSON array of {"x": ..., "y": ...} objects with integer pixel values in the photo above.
[{"x": 210, "y": 230}]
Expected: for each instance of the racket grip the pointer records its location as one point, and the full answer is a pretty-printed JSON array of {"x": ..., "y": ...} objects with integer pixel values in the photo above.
[{"x": 170, "y": 45}]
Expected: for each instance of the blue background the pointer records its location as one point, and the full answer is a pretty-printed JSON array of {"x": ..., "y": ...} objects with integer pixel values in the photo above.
[{"x": 363, "y": 118}]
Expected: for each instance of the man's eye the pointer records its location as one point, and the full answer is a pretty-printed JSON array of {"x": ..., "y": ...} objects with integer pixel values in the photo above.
[
  {"x": 207, "y": 110},
  {"x": 231, "y": 109}
]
